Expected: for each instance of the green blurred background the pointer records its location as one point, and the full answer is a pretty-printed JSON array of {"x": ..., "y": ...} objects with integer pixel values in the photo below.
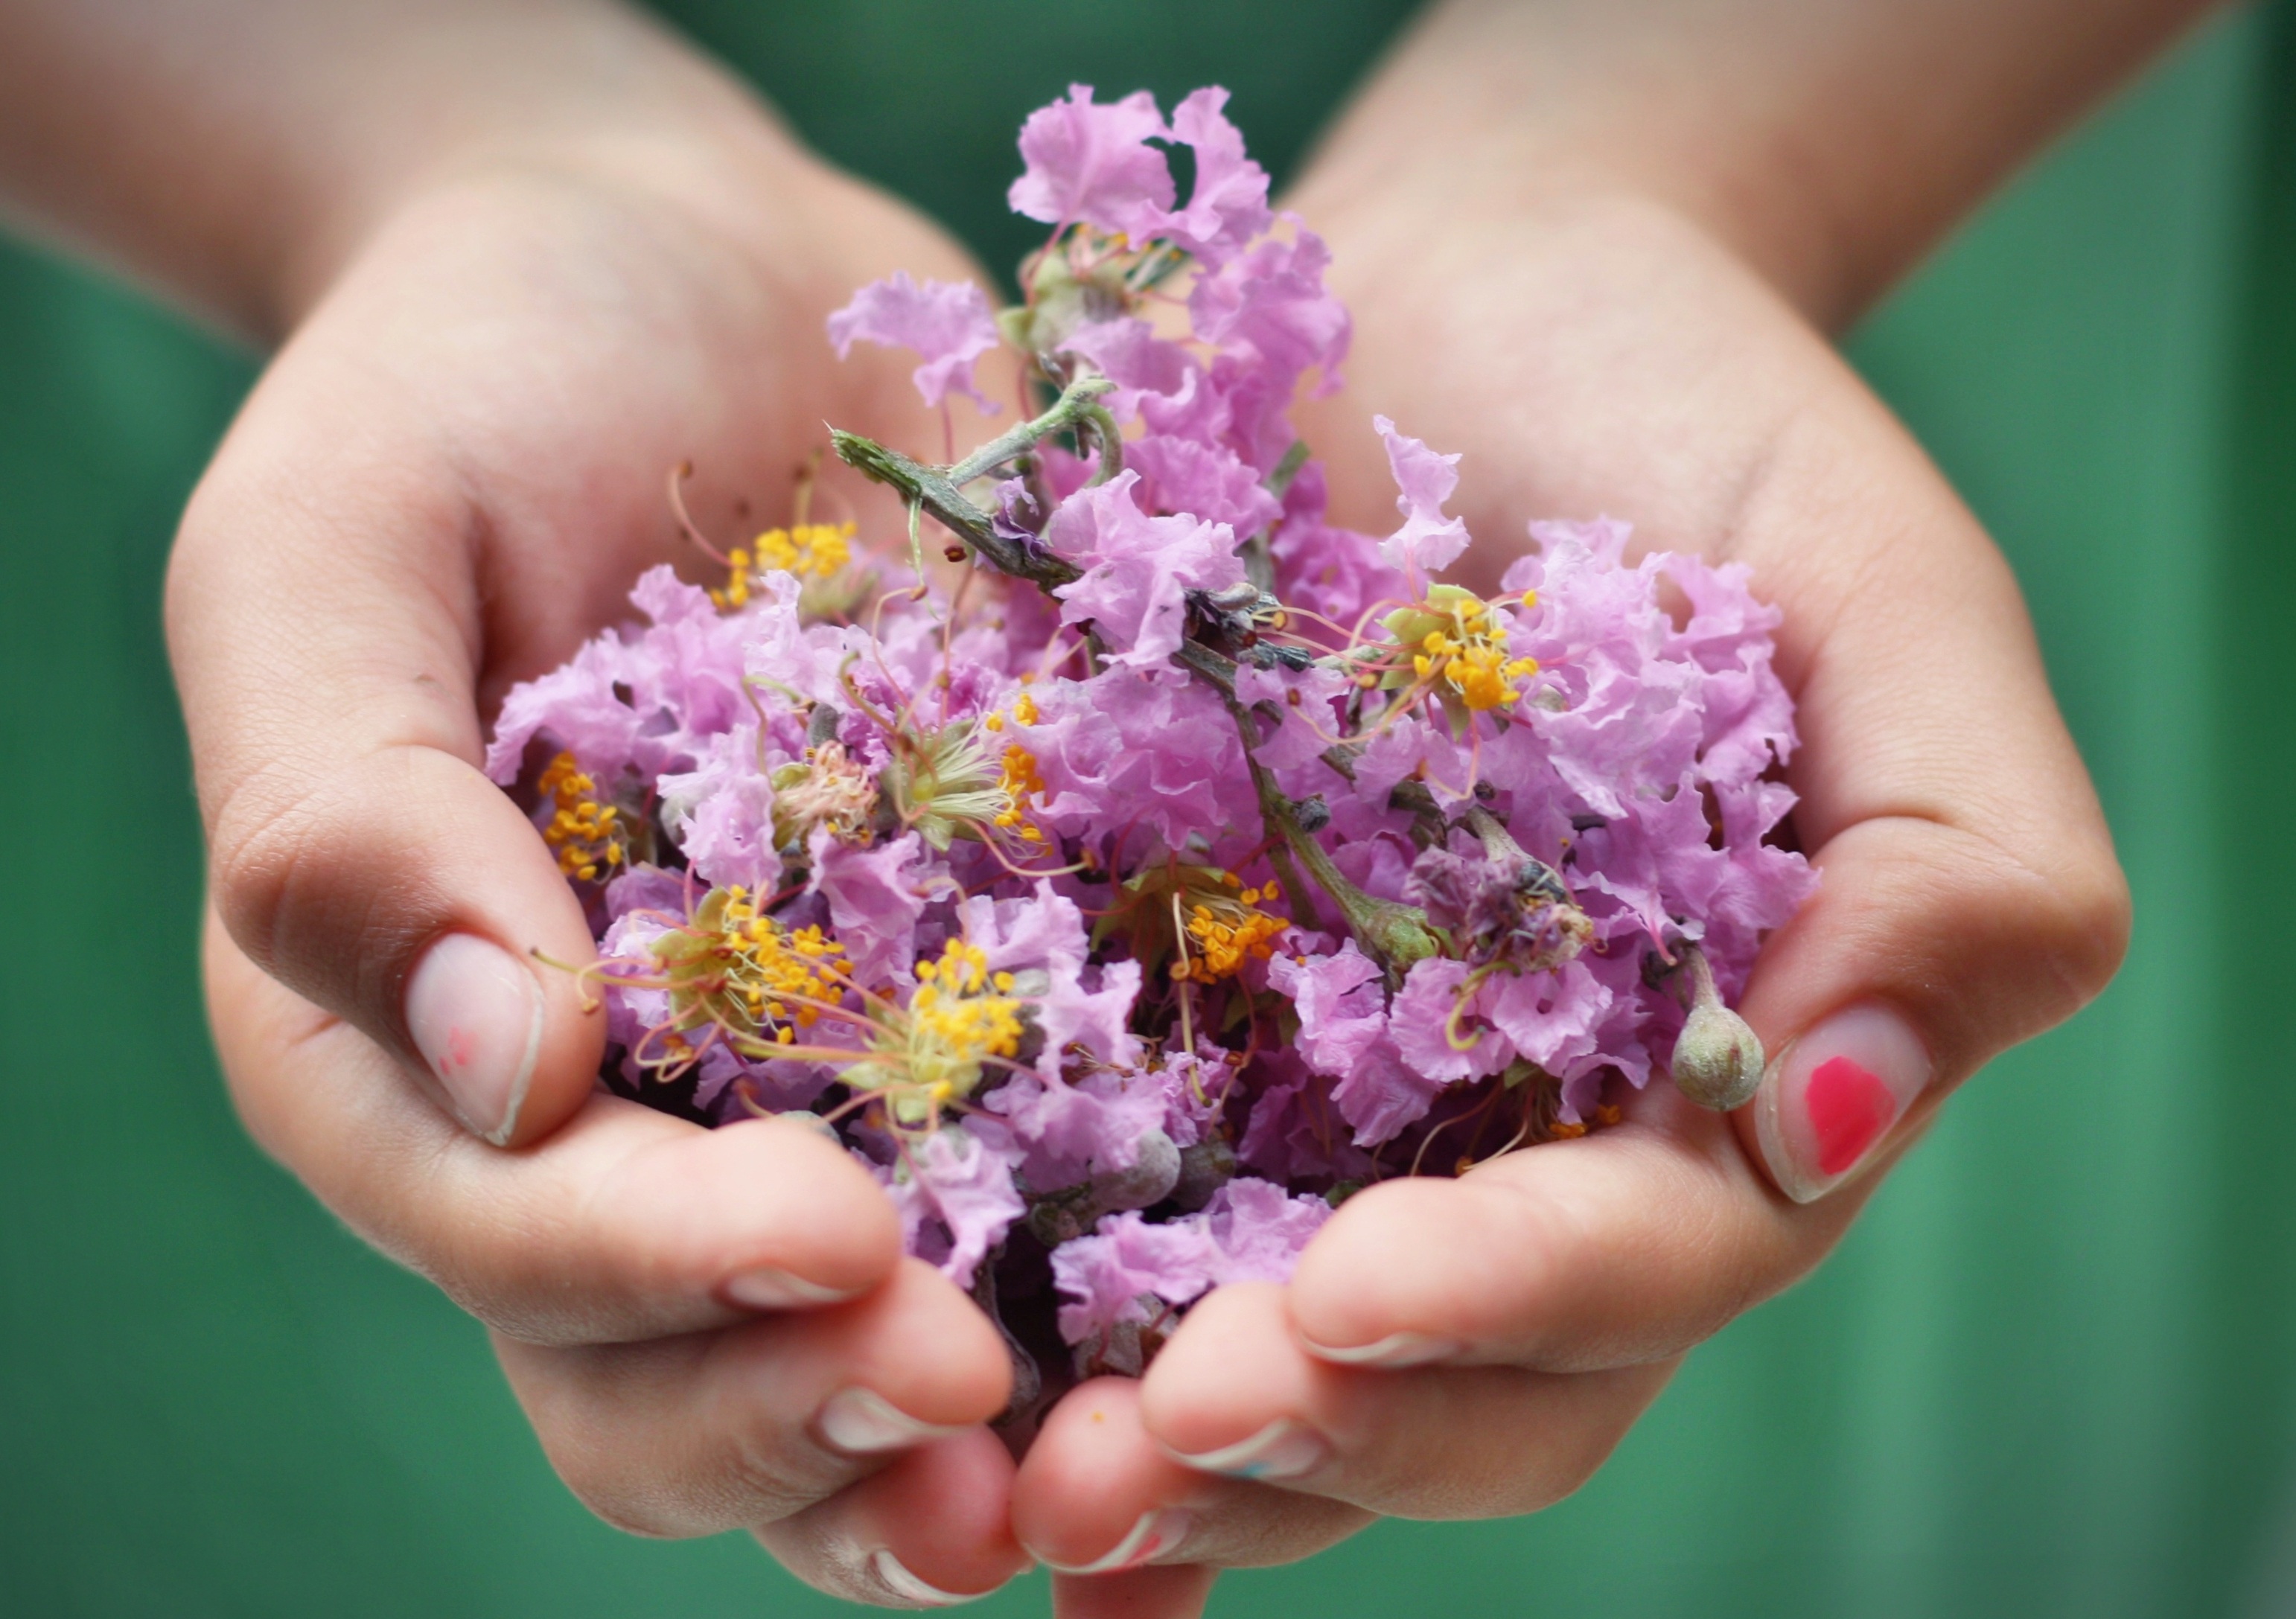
[{"x": 2052, "y": 1371}]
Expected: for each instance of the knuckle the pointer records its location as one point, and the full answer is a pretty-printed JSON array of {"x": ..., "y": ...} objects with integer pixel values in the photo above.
[
  {"x": 765, "y": 1481},
  {"x": 292, "y": 866},
  {"x": 262, "y": 835},
  {"x": 2075, "y": 916}
]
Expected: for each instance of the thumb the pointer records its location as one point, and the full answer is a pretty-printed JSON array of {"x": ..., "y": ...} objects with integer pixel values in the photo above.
[
  {"x": 326, "y": 624},
  {"x": 1968, "y": 897}
]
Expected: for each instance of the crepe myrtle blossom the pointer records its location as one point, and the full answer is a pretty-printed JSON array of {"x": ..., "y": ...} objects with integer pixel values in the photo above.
[
  {"x": 1199, "y": 861},
  {"x": 949, "y": 324}
]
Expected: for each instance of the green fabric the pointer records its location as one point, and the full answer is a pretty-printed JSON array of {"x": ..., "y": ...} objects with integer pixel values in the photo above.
[{"x": 2053, "y": 1372}]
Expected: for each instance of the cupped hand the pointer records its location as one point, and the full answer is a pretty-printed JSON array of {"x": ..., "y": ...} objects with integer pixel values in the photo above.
[
  {"x": 1477, "y": 1346},
  {"x": 450, "y": 476}
]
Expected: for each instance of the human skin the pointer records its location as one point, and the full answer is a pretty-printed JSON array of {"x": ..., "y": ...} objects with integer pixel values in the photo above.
[{"x": 1596, "y": 247}]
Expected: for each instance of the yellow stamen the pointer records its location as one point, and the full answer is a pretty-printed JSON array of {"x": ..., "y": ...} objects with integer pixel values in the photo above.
[{"x": 584, "y": 833}]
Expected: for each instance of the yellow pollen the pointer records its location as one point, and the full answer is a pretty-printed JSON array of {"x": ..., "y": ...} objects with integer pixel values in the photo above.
[
  {"x": 583, "y": 832},
  {"x": 1019, "y": 782},
  {"x": 1225, "y": 932},
  {"x": 810, "y": 551},
  {"x": 958, "y": 1019}
]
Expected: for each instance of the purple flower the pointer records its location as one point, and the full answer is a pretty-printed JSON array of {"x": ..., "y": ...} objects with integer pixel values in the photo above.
[
  {"x": 1138, "y": 569},
  {"x": 1205, "y": 481},
  {"x": 1126, "y": 748},
  {"x": 1295, "y": 1133},
  {"x": 967, "y": 780},
  {"x": 1078, "y": 1006},
  {"x": 1229, "y": 205},
  {"x": 1440, "y": 1038},
  {"x": 949, "y": 324},
  {"x": 875, "y": 896},
  {"x": 955, "y": 1200},
  {"x": 641, "y": 699},
  {"x": 1258, "y": 1232},
  {"x": 1068, "y": 1134},
  {"x": 1090, "y": 162},
  {"x": 722, "y": 814},
  {"x": 1429, "y": 542},
  {"x": 1129, "y": 1269}
]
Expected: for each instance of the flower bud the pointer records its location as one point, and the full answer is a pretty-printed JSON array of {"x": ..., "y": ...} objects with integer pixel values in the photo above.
[
  {"x": 1204, "y": 1168},
  {"x": 1149, "y": 1181},
  {"x": 1718, "y": 1058}
]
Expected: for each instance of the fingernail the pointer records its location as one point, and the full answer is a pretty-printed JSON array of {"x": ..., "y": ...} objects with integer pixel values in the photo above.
[
  {"x": 861, "y": 1423},
  {"x": 769, "y": 1288},
  {"x": 475, "y": 1013},
  {"x": 1158, "y": 1531},
  {"x": 1833, "y": 1094},
  {"x": 908, "y": 1588},
  {"x": 1284, "y": 1449},
  {"x": 1395, "y": 1351}
]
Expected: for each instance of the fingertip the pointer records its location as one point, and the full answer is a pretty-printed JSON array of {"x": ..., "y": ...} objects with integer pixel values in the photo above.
[
  {"x": 1342, "y": 1295},
  {"x": 1175, "y": 1593},
  {"x": 931, "y": 1529},
  {"x": 476, "y": 1016},
  {"x": 401, "y": 890},
  {"x": 1387, "y": 1283},
  {"x": 763, "y": 1215},
  {"x": 926, "y": 1348},
  {"x": 1831, "y": 1098},
  {"x": 1232, "y": 1369},
  {"x": 1091, "y": 1489}
]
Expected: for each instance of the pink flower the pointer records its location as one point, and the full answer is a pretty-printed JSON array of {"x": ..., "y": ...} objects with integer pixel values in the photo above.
[
  {"x": 1429, "y": 542},
  {"x": 1089, "y": 162},
  {"x": 1252, "y": 1231},
  {"x": 1229, "y": 205},
  {"x": 1138, "y": 569},
  {"x": 955, "y": 1200},
  {"x": 949, "y": 323}
]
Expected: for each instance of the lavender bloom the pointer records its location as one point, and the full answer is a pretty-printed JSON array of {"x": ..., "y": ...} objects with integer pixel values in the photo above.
[
  {"x": 1124, "y": 913},
  {"x": 949, "y": 324}
]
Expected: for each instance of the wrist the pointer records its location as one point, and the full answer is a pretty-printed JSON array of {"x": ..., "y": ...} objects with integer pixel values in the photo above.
[{"x": 638, "y": 114}]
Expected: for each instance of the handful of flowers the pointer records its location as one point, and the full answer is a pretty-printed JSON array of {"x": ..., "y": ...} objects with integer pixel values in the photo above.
[{"x": 1173, "y": 864}]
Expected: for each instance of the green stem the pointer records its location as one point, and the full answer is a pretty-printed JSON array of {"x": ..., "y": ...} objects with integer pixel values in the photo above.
[
  {"x": 929, "y": 487},
  {"x": 1079, "y": 402}
]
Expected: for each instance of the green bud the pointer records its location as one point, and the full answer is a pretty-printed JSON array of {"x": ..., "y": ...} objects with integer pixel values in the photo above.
[{"x": 1718, "y": 1060}]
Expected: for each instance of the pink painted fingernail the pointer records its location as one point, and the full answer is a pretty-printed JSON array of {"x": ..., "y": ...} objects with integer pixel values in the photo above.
[
  {"x": 896, "y": 1578},
  {"x": 475, "y": 1013},
  {"x": 1392, "y": 1353},
  {"x": 1158, "y": 1531},
  {"x": 1284, "y": 1449},
  {"x": 861, "y": 1422},
  {"x": 770, "y": 1288},
  {"x": 1833, "y": 1094}
]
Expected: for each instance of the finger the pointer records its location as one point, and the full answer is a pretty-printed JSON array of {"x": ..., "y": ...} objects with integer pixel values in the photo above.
[
  {"x": 1968, "y": 894},
  {"x": 750, "y": 1425},
  {"x": 1627, "y": 1245},
  {"x": 1098, "y": 1496},
  {"x": 1177, "y": 1592},
  {"x": 626, "y": 1224},
  {"x": 929, "y": 1530},
  {"x": 1235, "y": 1394},
  {"x": 327, "y": 627}
]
